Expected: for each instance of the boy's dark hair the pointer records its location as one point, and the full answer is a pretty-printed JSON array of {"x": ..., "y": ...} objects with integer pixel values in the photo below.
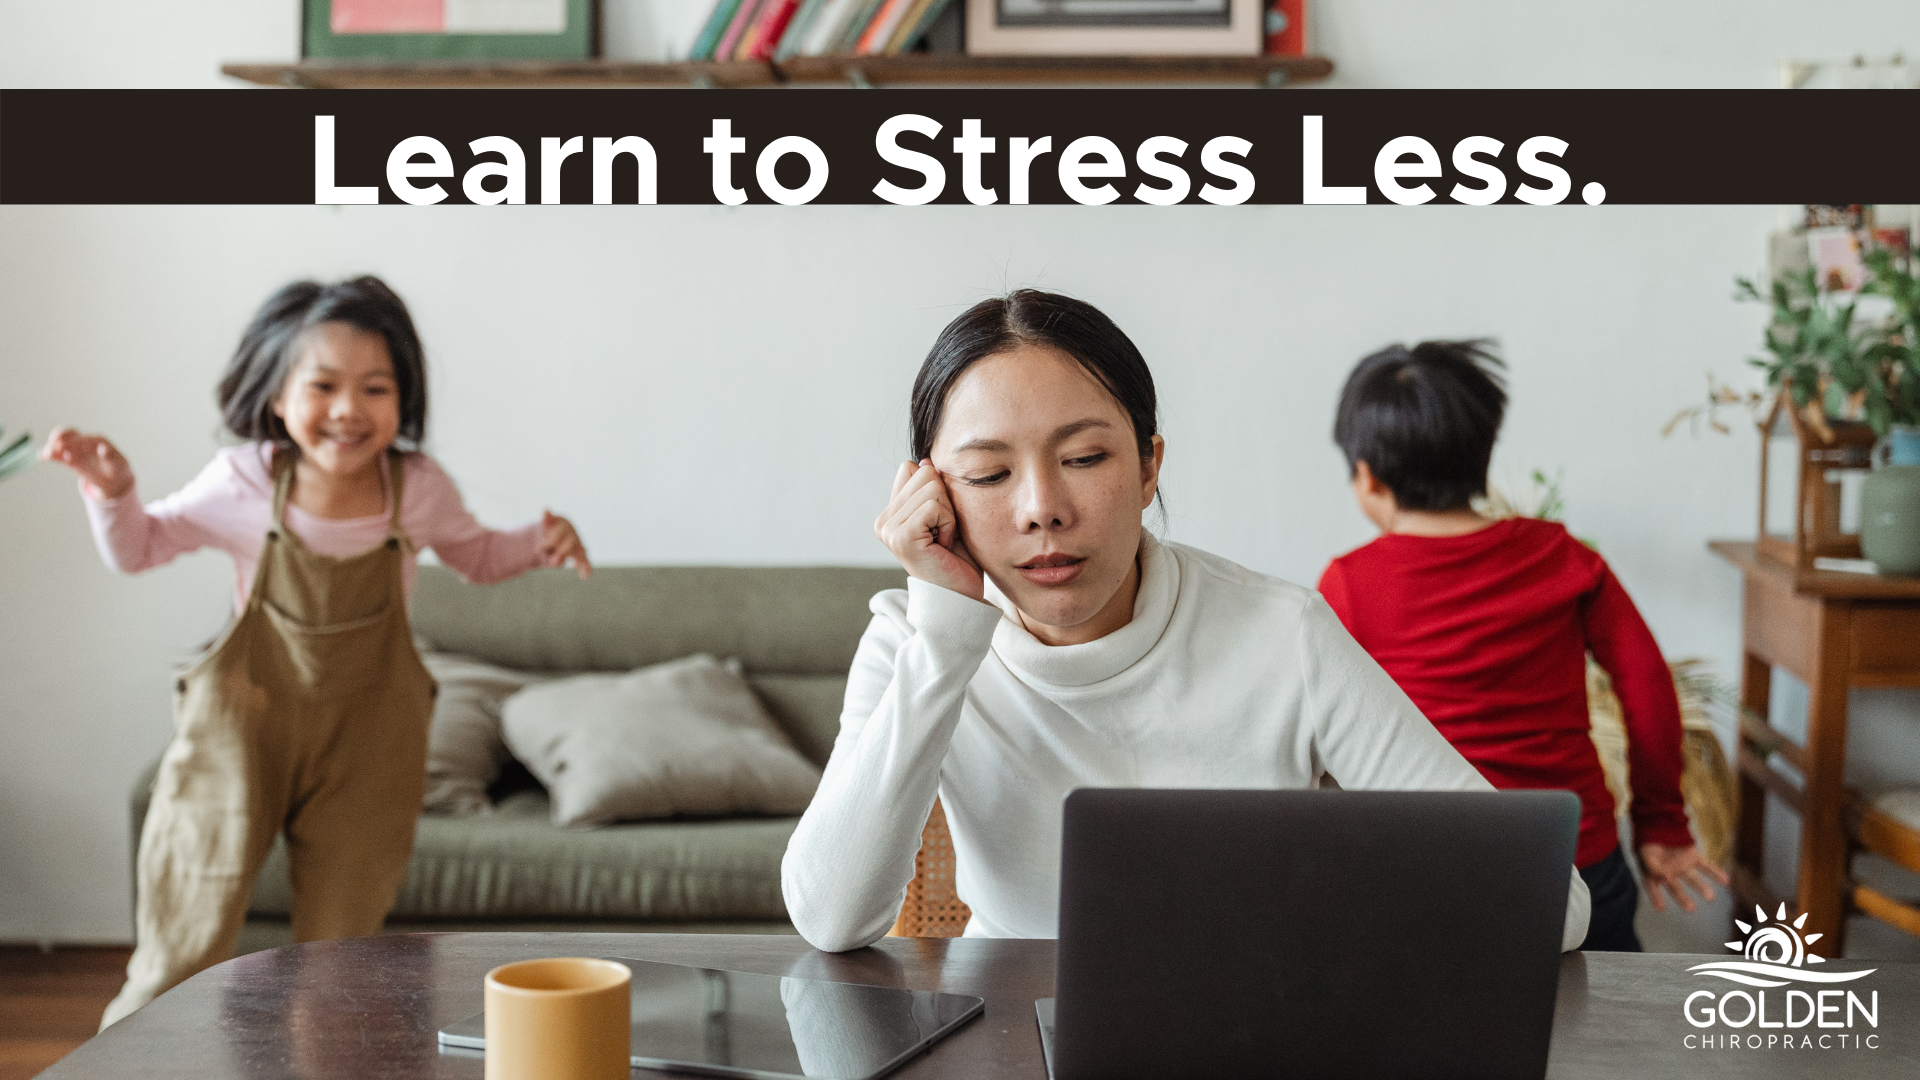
[
  {"x": 1424, "y": 420},
  {"x": 267, "y": 351}
]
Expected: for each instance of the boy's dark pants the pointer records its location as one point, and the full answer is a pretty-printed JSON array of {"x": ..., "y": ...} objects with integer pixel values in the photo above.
[{"x": 1615, "y": 896}]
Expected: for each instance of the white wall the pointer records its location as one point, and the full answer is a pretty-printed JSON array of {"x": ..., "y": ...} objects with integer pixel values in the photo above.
[{"x": 728, "y": 386}]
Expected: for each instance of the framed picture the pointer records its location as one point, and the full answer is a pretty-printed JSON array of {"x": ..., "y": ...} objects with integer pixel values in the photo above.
[
  {"x": 1112, "y": 13},
  {"x": 1835, "y": 254},
  {"x": 1115, "y": 27},
  {"x": 450, "y": 29}
]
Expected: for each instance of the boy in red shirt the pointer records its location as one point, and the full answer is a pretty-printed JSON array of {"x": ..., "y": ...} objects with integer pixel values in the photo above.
[{"x": 1487, "y": 624}]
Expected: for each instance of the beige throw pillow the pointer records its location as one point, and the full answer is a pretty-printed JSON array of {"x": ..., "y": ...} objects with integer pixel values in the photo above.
[
  {"x": 684, "y": 737},
  {"x": 465, "y": 750}
]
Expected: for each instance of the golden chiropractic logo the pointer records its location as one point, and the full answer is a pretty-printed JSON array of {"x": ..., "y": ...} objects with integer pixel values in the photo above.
[{"x": 1775, "y": 955}]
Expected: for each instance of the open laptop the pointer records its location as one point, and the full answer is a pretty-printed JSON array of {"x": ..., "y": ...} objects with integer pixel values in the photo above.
[{"x": 1226, "y": 934}]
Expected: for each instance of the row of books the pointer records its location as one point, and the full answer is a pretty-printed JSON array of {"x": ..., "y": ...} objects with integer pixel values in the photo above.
[{"x": 783, "y": 29}]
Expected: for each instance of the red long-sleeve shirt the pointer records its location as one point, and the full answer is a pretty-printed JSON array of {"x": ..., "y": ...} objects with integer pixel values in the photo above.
[{"x": 1488, "y": 634}]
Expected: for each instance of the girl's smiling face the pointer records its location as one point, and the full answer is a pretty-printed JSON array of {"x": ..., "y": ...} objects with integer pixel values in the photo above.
[
  {"x": 1048, "y": 484},
  {"x": 340, "y": 402}
]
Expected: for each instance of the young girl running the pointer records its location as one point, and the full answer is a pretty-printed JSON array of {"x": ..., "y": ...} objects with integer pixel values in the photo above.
[{"x": 309, "y": 715}]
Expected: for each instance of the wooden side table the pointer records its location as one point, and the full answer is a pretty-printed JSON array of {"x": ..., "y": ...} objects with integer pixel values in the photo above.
[{"x": 1834, "y": 631}]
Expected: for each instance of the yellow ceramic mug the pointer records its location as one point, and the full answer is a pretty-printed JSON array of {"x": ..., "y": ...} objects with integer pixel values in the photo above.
[{"x": 561, "y": 1019}]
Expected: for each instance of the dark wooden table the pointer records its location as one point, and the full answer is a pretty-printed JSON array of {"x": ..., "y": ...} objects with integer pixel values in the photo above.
[
  {"x": 369, "y": 1008},
  {"x": 1834, "y": 631}
]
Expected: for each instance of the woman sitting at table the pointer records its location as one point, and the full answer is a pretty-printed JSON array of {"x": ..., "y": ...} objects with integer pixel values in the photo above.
[{"x": 1046, "y": 641}]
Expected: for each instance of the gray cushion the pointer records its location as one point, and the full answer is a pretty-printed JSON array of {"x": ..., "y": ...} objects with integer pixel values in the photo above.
[
  {"x": 514, "y": 863},
  {"x": 807, "y": 706},
  {"x": 465, "y": 749},
  {"x": 687, "y": 737}
]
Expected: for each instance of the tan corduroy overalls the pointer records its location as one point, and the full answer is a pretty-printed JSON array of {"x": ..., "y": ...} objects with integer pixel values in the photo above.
[{"x": 309, "y": 715}]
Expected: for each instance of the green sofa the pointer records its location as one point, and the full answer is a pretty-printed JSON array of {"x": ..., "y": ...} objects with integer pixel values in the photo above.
[{"x": 795, "y": 630}]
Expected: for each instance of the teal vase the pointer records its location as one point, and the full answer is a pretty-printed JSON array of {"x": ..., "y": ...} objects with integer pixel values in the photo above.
[
  {"x": 1890, "y": 514},
  {"x": 1903, "y": 445}
]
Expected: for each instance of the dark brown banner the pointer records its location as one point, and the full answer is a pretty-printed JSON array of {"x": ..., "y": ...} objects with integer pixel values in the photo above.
[{"x": 986, "y": 147}]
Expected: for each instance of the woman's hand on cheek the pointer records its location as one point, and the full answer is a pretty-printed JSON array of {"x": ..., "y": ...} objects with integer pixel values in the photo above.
[
  {"x": 559, "y": 544},
  {"x": 921, "y": 529}
]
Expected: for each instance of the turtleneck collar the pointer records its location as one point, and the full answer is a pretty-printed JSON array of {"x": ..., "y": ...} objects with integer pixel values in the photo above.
[{"x": 1103, "y": 658}]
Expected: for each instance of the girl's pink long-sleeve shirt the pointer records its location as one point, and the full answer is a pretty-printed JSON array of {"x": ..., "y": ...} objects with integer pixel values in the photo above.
[{"x": 229, "y": 506}]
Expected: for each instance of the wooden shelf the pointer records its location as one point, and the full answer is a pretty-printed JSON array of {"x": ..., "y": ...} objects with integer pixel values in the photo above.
[
  {"x": 858, "y": 71},
  {"x": 1825, "y": 584}
]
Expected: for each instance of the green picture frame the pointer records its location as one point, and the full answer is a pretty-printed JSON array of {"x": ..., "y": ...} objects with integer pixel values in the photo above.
[{"x": 579, "y": 41}]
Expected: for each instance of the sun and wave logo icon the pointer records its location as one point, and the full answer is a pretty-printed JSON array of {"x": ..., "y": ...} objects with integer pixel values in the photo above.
[{"x": 1775, "y": 953}]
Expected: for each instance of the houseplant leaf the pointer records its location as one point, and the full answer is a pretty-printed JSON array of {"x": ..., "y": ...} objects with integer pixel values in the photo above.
[{"x": 17, "y": 455}]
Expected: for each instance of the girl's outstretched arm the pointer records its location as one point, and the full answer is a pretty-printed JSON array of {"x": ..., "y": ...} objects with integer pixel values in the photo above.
[
  {"x": 436, "y": 516},
  {"x": 132, "y": 537},
  {"x": 560, "y": 545},
  {"x": 103, "y": 469}
]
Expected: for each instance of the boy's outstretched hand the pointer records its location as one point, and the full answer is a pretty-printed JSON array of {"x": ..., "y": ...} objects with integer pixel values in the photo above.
[
  {"x": 99, "y": 464},
  {"x": 559, "y": 544},
  {"x": 1669, "y": 868}
]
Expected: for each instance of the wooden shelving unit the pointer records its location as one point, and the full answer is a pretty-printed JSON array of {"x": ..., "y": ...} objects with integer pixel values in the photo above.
[
  {"x": 1833, "y": 631},
  {"x": 855, "y": 71}
]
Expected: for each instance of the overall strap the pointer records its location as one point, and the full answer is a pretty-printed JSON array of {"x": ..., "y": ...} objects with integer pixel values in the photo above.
[
  {"x": 396, "y": 471},
  {"x": 282, "y": 485}
]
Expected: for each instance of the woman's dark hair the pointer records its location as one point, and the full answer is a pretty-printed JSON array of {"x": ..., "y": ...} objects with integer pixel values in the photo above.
[
  {"x": 270, "y": 346},
  {"x": 1031, "y": 317},
  {"x": 1424, "y": 420}
]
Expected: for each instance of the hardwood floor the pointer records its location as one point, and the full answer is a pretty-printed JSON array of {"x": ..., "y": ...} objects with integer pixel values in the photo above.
[{"x": 50, "y": 1002}]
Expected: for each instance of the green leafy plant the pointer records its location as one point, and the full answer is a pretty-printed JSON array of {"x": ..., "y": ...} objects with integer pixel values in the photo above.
[
  {"x": 15, "y": 455},
  {"x": 1815, "y": 353},
  {"x": 1832, "y": 364},
  {"x": 1897, "y": 354},
  {"x": 1553, "y": 505}
]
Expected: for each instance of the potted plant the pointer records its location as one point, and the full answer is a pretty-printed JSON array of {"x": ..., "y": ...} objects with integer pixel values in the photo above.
[
  {"x": 1835, "y": 364},
  {"x": 1842, "y": 390},
  {"x": 1823, "y": 360},
  {"x": 1852, "y": 382},
  {"x": 1818, "y": 362}
]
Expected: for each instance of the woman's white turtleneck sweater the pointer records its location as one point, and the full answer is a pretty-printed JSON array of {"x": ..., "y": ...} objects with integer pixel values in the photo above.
[{"x": 1223, "y": 679}]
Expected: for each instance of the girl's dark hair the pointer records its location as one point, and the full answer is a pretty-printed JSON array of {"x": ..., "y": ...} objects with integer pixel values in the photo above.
[
  {"x": 1424, "y": 420},
  {"x": 267, "y": 351},
  {"x": 1031, "y": 317}
]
